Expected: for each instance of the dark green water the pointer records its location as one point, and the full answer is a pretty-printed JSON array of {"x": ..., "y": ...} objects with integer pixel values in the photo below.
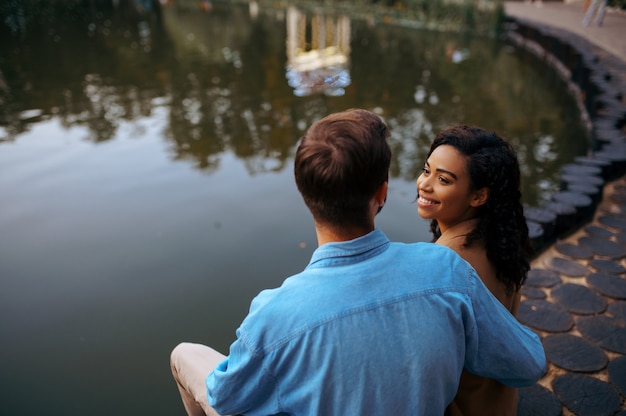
[{"x": 146, "y": 183}]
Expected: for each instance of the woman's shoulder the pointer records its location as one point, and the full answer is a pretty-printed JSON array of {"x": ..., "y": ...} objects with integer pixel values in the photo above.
[{"x": 476, "y": 256}]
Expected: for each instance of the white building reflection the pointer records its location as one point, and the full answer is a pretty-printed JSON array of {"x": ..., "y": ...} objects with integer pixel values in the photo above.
[{"x": 318, "y": 51}]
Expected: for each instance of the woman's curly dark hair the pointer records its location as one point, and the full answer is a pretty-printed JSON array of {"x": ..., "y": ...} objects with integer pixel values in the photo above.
[{"x": 492, "y": 163}]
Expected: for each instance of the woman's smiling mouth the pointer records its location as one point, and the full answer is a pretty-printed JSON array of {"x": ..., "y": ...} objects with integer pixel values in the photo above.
[{"x": 425, "y": 201}]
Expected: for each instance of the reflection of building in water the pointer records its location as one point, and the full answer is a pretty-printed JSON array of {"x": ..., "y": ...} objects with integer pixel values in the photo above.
[{"x": 318, "y": 49}]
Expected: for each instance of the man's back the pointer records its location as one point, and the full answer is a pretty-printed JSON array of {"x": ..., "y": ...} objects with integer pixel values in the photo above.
[{"x": 370, "y": 327}]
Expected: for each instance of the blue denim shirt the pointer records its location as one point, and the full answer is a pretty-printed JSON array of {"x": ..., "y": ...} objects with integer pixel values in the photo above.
[{"x": 372, "y": 327}]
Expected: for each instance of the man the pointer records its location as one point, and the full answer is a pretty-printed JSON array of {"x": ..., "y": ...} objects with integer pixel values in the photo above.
[{"x": 369, "y": 327}]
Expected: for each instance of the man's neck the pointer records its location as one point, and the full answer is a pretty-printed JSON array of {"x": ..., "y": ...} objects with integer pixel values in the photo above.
[{"x": 327, "y": 234}]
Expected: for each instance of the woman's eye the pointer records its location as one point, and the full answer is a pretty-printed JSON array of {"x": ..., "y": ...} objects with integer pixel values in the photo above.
[
  {"x": 425, "y": 170},
  {"x": 443, "y": 180}
]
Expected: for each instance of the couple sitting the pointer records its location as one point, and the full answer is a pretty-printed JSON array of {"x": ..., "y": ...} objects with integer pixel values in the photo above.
[{"x": 372, "y": 327}]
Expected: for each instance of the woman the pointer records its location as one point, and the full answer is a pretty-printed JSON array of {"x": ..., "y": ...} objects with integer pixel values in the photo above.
[{"x": 470, "y": 189}]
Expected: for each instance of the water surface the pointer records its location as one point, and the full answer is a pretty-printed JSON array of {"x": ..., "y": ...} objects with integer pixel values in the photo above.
[{"x": 146, "y": 173}]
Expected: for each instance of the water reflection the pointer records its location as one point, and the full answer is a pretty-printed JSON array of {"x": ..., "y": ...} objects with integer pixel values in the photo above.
[
  {"x": 318, "y": 53},
  {"x": 220, "y": 75},
  {"x": 145, "y": 159}
]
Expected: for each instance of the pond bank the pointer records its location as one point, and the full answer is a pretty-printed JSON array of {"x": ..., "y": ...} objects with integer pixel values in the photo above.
[{"x": 575, "y": 296}]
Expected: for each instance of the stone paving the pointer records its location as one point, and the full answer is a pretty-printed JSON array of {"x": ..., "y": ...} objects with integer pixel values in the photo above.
[
  {"x": 575, "y": 294},
  {"x": 575, "y": 299}
]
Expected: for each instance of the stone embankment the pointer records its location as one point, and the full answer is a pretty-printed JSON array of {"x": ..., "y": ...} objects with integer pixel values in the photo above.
[{"x": 575, "y": 295}]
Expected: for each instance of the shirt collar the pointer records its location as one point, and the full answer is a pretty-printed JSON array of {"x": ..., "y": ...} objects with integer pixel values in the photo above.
[{"x": 368, "y": 245}]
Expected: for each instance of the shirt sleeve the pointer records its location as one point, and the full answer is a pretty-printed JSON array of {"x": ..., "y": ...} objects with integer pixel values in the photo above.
[
  {"x": 498, "y": 346},
  {"x": 240, "y": 384}
]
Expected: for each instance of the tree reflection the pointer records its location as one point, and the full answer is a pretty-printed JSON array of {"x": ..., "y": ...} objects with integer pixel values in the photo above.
[
  {"x": 82, "y": 63},
  {"x": 220, "y": 72}
]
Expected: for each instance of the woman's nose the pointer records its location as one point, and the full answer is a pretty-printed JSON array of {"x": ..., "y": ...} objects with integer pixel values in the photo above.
[{"x": 422, "y": 183}]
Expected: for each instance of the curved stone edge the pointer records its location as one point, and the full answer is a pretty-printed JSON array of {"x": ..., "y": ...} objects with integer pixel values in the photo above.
[{"x": 592, "y": 80}]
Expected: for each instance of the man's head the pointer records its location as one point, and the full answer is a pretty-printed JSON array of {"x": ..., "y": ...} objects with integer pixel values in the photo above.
[{"x": 341, "y": 163}]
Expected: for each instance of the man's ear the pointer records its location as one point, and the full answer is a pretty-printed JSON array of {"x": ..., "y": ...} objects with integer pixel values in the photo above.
[
  {"x": 380, "y": 197},
  {"x": 381, "y": 193},
  {"x": 480, "y": 197}
]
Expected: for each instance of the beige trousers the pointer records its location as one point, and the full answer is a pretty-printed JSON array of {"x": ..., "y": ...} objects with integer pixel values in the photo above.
[{"x": 191, "y": 364}]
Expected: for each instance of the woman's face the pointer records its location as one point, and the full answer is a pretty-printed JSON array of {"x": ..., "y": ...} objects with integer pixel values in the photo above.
[{"x": 444, "y": 191}]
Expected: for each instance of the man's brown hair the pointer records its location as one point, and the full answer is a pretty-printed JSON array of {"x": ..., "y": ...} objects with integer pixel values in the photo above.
[{"x": 341, "y": 162}]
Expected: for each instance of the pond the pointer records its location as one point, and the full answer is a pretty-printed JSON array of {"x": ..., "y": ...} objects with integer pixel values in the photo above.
[{"x": 146, "y": 172}]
